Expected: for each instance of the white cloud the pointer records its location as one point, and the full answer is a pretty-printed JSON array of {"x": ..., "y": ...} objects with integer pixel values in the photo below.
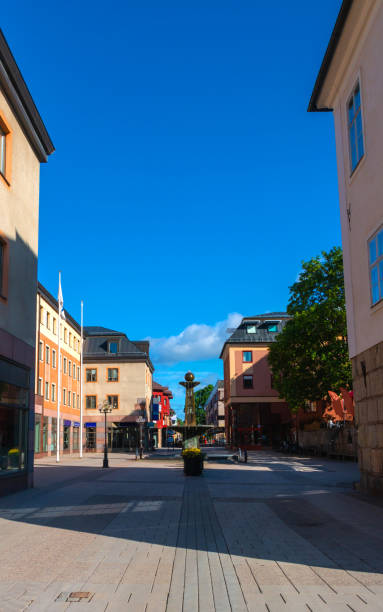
[{"x": 195, "y": 343}]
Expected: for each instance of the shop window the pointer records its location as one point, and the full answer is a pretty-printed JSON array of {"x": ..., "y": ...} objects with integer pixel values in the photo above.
[
  {"x": 90, "y": 440},
  {"x": 38, "y": 420},
  {"x": 13, "y": 438},
  {"x": 45, "y": 435},
  {"x": 66, "y": 437},
  {"x": 76, "y": 438},
  {"x": 54, "y": 434}
]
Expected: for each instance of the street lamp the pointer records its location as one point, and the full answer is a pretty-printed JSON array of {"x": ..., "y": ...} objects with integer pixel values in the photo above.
[
  {"x": 140, "y": 420},
  {"x": 105, "y": 408}
]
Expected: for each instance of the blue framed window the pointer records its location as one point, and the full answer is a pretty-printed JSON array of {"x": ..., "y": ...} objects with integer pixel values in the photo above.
[
  {"x": 247, "y": 356},
  {"x": 375, "y": 257},
  {"x": 355, "y": 128}
]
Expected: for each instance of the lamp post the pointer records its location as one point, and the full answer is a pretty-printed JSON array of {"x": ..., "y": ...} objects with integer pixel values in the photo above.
[
  {"x": 105, "y": 408},
  {"x": 140, "y": 420}
]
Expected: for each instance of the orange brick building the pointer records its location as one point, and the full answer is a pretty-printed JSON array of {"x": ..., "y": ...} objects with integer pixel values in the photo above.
[{"x": 46, "y": 386}]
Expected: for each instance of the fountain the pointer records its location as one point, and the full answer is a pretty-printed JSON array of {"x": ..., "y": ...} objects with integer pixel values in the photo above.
[{"x": 191, "y": 432}]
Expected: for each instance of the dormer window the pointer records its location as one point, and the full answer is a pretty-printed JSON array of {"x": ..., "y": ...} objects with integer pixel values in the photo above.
[
  {"x": 270, "y": 326},
  {"x": 113, "y": 346},
  {"x": 251, "y": 329}
]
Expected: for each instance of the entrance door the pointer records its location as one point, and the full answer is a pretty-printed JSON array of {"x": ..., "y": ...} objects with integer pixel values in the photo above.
[{"x": 123, "y": 439}]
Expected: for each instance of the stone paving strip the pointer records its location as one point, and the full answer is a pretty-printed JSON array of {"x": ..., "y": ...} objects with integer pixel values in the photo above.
[{"x": 277, "y": 534}]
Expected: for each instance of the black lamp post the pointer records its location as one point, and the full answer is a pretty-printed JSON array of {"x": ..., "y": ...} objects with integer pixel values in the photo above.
[{"x": 105, "y": 408}]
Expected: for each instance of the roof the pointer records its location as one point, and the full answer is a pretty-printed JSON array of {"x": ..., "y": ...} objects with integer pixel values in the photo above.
[
  {"x": 262, "y": 335},
  {"x": 160, "y": 388},
  {"x": 268, "y": 316},
  {"x": 329, "y": 55},
  {"x": 100, "y": 331},
  {"x": 53, "y": 302},
  {"x": 96, "y": 346},
  {"x": 17, "y": 93}
]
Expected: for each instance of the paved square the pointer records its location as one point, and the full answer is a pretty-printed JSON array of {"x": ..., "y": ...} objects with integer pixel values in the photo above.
[{"x": 279, "y": 533}]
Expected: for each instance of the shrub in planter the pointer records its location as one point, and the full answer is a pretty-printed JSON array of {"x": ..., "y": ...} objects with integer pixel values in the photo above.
[{"x": 193, "y": 461}]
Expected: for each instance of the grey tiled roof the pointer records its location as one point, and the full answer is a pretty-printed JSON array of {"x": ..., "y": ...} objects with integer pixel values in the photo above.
[
  {"x": 262, "y": 336},
  {"x": 101, "y": 331}
]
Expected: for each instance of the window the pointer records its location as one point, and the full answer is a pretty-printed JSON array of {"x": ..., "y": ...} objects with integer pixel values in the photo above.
[
  {"x": 74, "y": 400},
  {"x": 47, "y": 353},
  {"x": 74, "y": 372},
  {"x": 247, "y": 356},
  {"x": 54, "y": 327},
  {"x": 48, "y": 320},
  {"x": 251, "y": 329},
  {"x": 65, "y": 334},
  {"x": 47, "y": 390},
  {"x": 65, "y": 360},
  {"x": 78, "y": 372},
  {"x": 112, "y": 347},
  {"x": 53, "y": 392},
  {"x": 375, "y": 248},
  {"x": 3, "y": 150},
  {"x": 78, "y": 401},
  {"x": 91, "y": 375},
  {"x": 70, "y": 339},
  {"x": 41, "y": 349},
  {"x": 69, "y": 368},
  {"x": 40, "y": 386},
  {"x": 69, "y": 398},
  {"x": 355, "y": 128},
  {"x": 113, "y": 401},
  {"x": 112, "y": 374},
  {"x": 272, "y": 328},
  {"x": 247, "y": 382},
  {"x": 90, "y": 402},
  {"x": 2, "y": 265},
  {"x": 64, "y": 397},
  {"x": 53, "y": 358}
]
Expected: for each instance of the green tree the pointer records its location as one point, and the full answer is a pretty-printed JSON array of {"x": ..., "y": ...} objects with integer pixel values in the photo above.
[
  {"x": 200, "y": 398},
  {"x": 310, "y": 356}
]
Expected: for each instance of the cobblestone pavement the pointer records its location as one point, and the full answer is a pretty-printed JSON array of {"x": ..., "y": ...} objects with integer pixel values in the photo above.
[{"x": 279, "y": 533}]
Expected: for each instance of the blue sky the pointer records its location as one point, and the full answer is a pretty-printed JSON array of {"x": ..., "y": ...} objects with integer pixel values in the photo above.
[{"x": 188, "y": 182}]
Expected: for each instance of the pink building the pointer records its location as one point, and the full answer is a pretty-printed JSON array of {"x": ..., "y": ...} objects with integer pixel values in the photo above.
[{"x": 255, "y": 416}]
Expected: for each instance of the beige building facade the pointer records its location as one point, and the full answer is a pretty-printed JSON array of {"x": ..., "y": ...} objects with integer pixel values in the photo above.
[
  {"x": 118, "y": 373},
  {"x": 24, "y": 144},
  {"x": 350, "y": 84}
]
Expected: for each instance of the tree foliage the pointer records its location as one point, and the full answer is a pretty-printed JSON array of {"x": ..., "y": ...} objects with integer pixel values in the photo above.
[
  {"x": 200, "y": 398},
  {"x": 310, "y": 355}
]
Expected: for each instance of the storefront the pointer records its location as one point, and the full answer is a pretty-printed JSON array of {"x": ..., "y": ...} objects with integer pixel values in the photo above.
[{"x": 14, "y": 426}]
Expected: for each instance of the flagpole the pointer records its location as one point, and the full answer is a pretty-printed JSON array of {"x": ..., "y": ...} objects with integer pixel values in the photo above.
[
  {"x": 59, "y": 377},
  {"x": 81, "y": 400}
]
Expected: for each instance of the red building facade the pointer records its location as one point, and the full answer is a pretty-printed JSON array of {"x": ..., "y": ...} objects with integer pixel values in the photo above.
[{"x": 161, "y": 410}]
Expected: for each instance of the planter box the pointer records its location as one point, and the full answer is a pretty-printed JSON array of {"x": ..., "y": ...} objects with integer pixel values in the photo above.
[{"x": 193, "y": 466}]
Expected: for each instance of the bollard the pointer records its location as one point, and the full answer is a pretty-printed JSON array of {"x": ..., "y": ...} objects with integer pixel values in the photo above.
[
  {"x": 136, "y": 453},
  {"x": 245, "y": 456}
]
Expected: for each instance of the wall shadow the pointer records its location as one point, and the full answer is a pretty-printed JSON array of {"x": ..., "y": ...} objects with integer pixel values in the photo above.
[{"x": 277, "y": 515}]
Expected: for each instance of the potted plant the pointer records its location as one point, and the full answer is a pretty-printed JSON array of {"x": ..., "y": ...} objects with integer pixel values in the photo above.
[
  {"x": 193, "y": 461},
  {"x": 14, "y": 457}
]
